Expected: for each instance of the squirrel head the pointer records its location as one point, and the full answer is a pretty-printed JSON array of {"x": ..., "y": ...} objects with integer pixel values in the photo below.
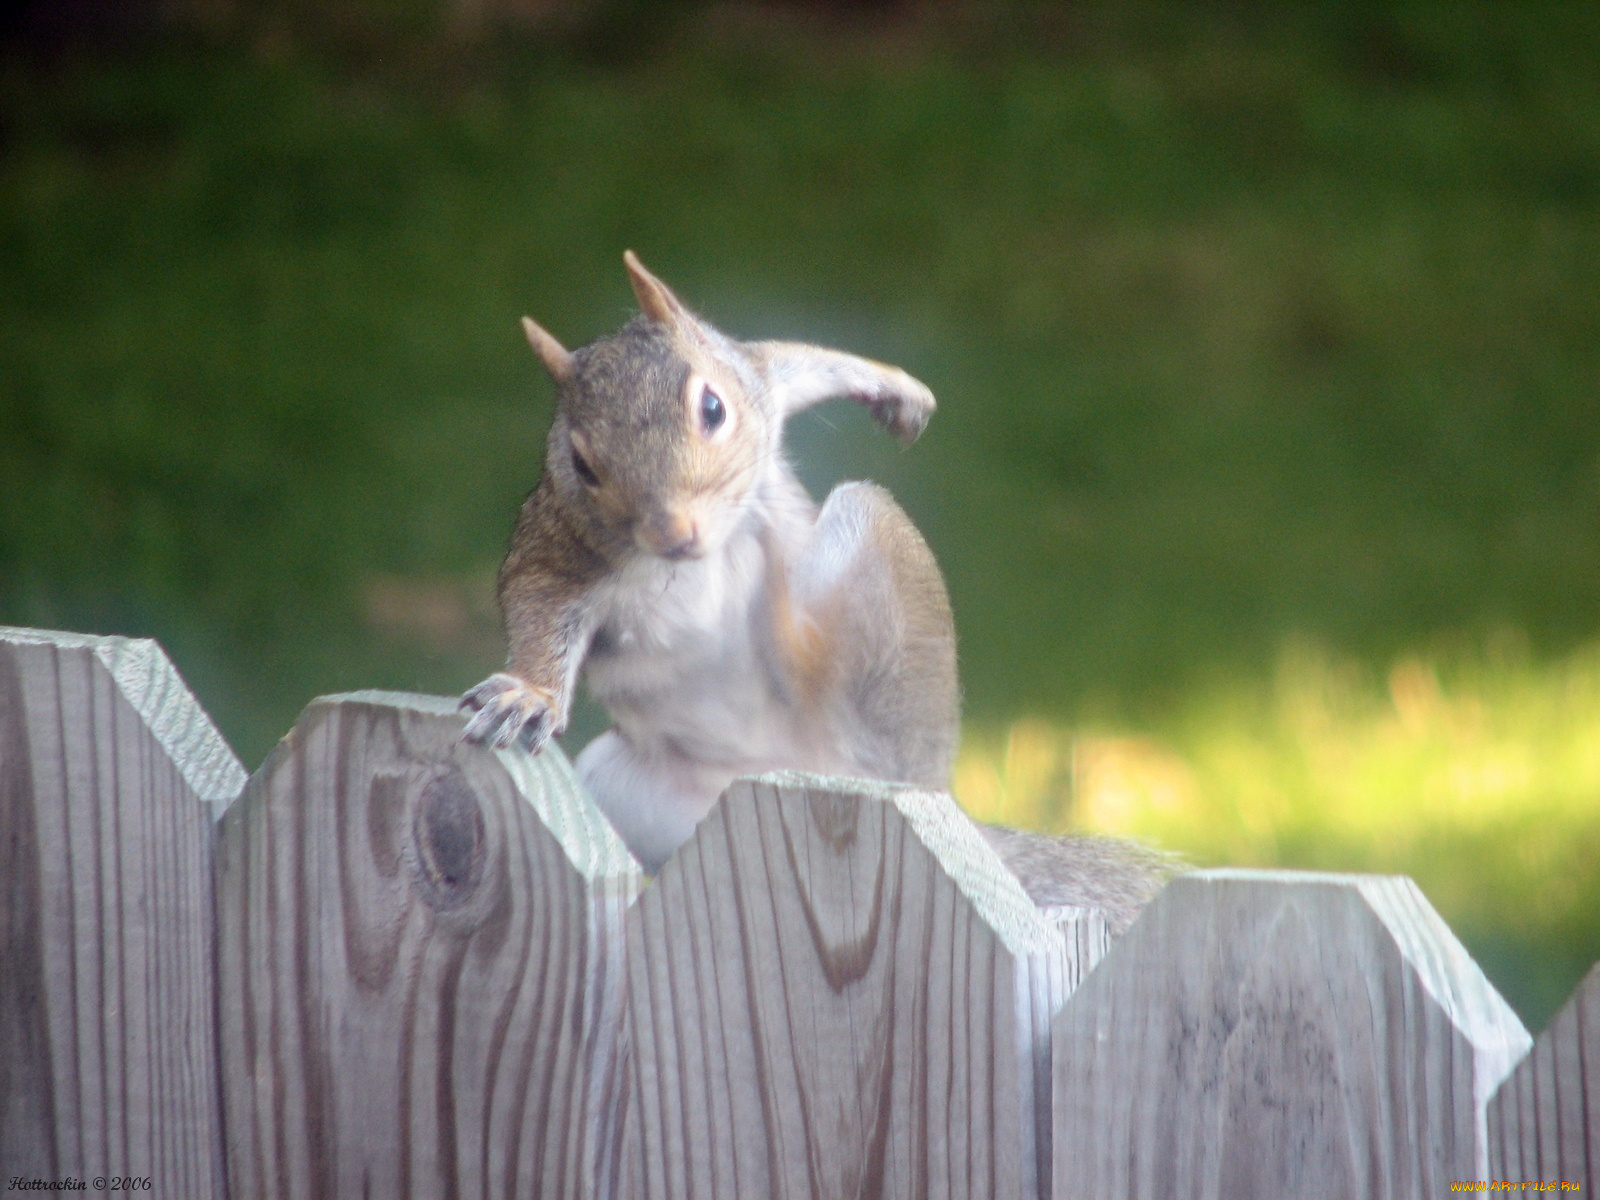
[
  {"x": 663, "y": 430},
  {"x": 660, "y": 432}
]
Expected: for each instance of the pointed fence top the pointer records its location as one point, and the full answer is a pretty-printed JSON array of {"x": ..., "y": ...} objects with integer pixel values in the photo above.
[{"x": 151, "y": 684}]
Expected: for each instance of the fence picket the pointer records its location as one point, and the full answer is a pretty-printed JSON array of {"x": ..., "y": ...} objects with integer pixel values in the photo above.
[
  {"x": 1264, "y": 1033},
  {"x": 1544, "y": 1122},
  {"x": 110, "y": 774},
  {"x": 837, "y": 989},
  {"x": 420, "y": 965}
]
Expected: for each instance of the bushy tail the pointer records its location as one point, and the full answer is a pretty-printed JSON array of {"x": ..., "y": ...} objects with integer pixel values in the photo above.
[{"x": 1115, "y": 876}]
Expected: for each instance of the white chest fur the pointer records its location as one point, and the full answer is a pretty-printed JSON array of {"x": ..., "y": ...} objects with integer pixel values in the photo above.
[
  {"x": 681, "y": 660},
  {"x": 679, "y": 655}
]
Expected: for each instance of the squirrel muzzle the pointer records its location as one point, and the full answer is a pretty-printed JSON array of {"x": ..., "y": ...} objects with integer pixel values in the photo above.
[{"x": 670, "y": 533}]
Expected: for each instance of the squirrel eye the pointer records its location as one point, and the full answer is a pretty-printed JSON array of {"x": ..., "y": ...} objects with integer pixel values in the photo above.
[
  {"x": 584, "y": 470},
  {"x": 712, "y": 411}
]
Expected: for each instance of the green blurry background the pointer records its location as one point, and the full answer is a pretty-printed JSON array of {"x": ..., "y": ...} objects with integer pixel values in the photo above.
[{"x": 1266, "y": 474}]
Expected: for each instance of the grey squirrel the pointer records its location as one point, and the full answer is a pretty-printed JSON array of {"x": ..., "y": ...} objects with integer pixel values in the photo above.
[{"x": 727, "y": 624}]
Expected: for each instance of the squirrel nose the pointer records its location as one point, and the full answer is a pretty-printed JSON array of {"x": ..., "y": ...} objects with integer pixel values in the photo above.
[{"x": 672, "y": 534}]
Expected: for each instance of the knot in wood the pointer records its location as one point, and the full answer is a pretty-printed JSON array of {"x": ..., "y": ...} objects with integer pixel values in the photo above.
[
  {"x": 450, "y": 838},
  {"x": 835, "y": 816}
]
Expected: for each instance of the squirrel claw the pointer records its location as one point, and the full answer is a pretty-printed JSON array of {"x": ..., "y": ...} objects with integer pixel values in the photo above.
[
  {"x": 507, "y": 711},
  {"x": 902, "y": 420},
  {"x": 903, "y": 410}
]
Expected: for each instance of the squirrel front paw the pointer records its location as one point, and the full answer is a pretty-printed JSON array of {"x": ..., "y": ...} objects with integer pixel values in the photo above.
[{"x": 507, "y": 711}]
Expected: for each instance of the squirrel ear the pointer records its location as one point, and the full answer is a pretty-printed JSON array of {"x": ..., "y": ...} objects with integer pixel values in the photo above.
[
  {"x": 655, "y": 298},
  {"x": 557, "y": 359}
]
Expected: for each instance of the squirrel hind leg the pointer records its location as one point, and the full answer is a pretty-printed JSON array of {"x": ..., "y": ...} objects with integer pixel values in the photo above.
[
  {"x": 873, "y": 587},
  {"x": 653, "y": 802}
]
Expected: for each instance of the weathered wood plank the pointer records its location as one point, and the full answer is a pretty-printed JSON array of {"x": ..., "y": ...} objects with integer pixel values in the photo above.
[
  {"x": 1275, "y": 1034},
  {"x": 1544, "y": 1121},
  {"x": 420, "y": 965},
  {"x": 110, "y": 774},
  {"x": 837, "y": 989}
]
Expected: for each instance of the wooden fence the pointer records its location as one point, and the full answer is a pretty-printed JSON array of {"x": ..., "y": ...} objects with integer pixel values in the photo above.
[{"x": 390, "y": 965}]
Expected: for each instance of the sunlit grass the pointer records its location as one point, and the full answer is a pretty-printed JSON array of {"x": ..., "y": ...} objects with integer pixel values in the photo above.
[{"x": 1475, "y": 772}]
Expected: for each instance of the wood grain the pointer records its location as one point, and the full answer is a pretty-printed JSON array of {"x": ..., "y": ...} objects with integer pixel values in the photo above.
[
  {"x": 1544, "y": 1122},
  {"x": 421, "y": 964},
  {"x": 837, "y": 990},
  {"x": 110, "y": 774},
  {"x": 1271, "y": 1034}
]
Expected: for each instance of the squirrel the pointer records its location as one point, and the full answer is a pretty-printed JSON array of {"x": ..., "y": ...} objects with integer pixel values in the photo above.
[{"x": 728, "y": 624}]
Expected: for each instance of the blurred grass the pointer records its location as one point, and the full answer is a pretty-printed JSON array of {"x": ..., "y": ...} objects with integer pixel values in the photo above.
[{"x": 1252, "y": 326}]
